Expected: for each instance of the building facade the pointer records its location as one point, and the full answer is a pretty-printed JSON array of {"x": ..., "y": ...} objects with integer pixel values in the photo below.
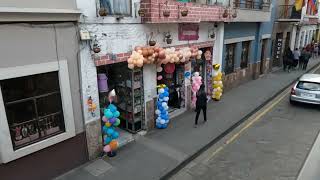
[
  {"x": 294, "y": 28},
  {"x": 119, "y": 29},
  {"x": 247, "y": 42},
  {"x": 41, "y": 124}
]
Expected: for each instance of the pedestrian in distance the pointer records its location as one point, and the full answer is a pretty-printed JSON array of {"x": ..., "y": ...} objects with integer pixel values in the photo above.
[
  {"x": 296, "y": 57},
  {"x": 306, "y": 60},
  {"x": 315, "y": 50},
  {"x": 201, "y": 104},
  {"x": 287, "y": 60},
  {"x": 302, "y": 58}
]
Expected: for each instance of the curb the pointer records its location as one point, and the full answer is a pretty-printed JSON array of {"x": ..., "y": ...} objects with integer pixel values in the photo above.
[{"x": 230, "y": 129}]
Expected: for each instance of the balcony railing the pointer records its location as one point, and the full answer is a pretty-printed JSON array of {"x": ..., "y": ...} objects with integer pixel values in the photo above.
[
  {"x": 248, "y": 4},
  {"x": 288, "y": 12}
]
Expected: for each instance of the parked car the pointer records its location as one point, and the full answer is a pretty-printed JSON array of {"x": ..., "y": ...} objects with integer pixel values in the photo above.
[{"x": 306, "y": 90}]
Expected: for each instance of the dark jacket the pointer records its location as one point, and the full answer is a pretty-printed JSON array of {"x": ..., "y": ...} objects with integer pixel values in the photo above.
[{"x": 201, "y": 100}]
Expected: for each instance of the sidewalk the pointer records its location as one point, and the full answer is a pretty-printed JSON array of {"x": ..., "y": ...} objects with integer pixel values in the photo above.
[
  {"x": 311, "y": 167},
  {"x": 160, "y": 151}
]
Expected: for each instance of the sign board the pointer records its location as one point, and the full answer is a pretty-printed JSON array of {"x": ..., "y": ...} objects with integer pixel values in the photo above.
[
  {"x": 278, "y": 46},
  {"x": 188, "y": 32}
]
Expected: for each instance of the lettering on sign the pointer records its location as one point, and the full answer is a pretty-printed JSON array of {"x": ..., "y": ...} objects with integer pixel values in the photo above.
[
  {"x": 278, "y": 47},
  {"x": 188, "y": 32}
]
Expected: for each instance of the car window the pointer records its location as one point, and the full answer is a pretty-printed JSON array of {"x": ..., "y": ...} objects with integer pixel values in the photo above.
[{"x": 308, "y": 86}]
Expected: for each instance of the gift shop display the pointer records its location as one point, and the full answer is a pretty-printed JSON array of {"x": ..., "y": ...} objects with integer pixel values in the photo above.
[
  {"x": 111, "y": 121},
  {"x": 128, "y": 85},
  {"x": 217, "y": 83},
  {"x": 162, "y": 107}
]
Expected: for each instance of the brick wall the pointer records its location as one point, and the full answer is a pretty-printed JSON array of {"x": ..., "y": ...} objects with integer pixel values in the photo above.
[{"x": 196, "y": 12}]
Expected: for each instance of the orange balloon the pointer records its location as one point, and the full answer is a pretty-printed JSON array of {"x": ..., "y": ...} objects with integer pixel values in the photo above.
[{"x": 114, "y": 145}]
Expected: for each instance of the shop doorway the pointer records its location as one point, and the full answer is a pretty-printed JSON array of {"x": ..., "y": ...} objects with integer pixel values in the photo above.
[
  {"x": 128, "y": 85},
  {"x": 173, "y": 77},
  {"x": 263, "y": 53}
]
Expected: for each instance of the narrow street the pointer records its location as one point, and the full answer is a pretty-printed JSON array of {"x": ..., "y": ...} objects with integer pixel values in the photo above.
[{"x": 272, "y": 146}]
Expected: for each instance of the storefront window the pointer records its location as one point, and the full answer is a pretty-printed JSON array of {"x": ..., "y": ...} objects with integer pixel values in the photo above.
[
  {"x": 245, "y": 54},
  {"x": 33, "y": 108},
  {"x": 229, "y": 58}
]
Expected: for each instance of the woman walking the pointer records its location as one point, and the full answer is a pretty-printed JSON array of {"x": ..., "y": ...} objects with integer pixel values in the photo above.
[{"x": 201, "y": 104}]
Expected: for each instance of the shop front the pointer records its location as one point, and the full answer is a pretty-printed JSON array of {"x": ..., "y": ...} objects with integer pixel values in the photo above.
[{"x": 128, "y": 86}]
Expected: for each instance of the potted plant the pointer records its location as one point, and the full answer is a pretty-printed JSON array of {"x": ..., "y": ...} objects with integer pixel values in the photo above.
[
  {"x": 141, "y": 13},
  {"x": 184, "y": 11},
  {"x": 103, "y": 12},
  {"x": 166, "y": 10},
  {"x": 225, "y": 13},
  {"x": 152, "y": 42},
  {"x": 96, "y": 48}
]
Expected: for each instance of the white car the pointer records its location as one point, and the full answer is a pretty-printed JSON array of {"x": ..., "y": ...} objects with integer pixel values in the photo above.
[{"x": 306, "y": 90}]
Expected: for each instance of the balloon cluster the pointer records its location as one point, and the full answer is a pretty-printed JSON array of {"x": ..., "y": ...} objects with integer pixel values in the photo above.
[
  {"x": 217, "y": 83},
  {"x": 196, "y": 83},
  {"x": 162, "y": 107},
  {"x": 154, "y": 54},
  {"x": 111, "y": 120}
]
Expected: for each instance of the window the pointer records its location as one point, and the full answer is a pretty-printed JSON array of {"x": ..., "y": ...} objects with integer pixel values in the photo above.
[
  {"x": 35, "y": 108},
  {"x": 310, "y": 86},
  {"x": 116, "y": 7},
  {"x": 245, "y": 54},
  {"x": 229, "y": 58}
]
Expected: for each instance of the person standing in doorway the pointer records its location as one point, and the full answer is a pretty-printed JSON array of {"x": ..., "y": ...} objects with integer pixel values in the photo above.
[{"x": 201, "y": 104}]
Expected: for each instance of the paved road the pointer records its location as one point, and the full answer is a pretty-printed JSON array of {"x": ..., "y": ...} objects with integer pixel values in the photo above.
[{"x": 274, "y": 147}]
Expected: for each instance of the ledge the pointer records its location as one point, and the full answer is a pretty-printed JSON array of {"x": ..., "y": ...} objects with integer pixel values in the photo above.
[{"x": 38, "y": 14}]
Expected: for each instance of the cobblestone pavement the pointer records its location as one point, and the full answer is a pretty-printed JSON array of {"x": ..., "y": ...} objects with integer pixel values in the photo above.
[{"x": 273, "y": 148}]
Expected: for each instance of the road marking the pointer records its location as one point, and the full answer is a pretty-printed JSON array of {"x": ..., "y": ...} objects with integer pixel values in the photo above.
[{"x": 254, "y": 120}]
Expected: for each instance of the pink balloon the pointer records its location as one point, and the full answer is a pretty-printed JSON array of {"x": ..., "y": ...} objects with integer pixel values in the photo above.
[
  {"x": 104, "y": 119},
  {"x": 106, "y": 148},
  {"x": 159, "y": 77}
]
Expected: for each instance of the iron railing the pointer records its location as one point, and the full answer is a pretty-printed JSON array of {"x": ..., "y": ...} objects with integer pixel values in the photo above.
[{"x": 288, "y": 12}]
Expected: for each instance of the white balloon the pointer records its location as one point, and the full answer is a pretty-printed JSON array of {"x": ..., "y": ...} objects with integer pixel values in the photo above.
[
  {"x": 166, "y": 108},
  {"x": 162, "y": 121},
  {"x": 196, "y": 74},
  {"x": 158, "y": 111},
  {"x": 159, "y": 69},
  {"x": 164, "y": 104},
  {"x": 161, "y": 90},
  {"x": 166, "y": 98}
]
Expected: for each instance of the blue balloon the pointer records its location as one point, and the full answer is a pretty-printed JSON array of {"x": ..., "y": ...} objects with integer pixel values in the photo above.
[
  {"x": 166, "y": 94},
  {"x": 107, "y": 140},
  {"x": 116, "y": 114},
  {"x": 159, "y": 103},
  {"x": 166, "y": 89},
  {"x": 115, "y": 135},
  {"x": 112, "y": 120},
  {"x": 110, "y": 131},
  {"x": 108, "y": 114},
  {"x": 112, "y": 108},
  {"x": 161, "y": 96},
  {"x": 104, "y": 129},
  {"x": 187, "y": 74},
  {"x": 159, "y": 126}
]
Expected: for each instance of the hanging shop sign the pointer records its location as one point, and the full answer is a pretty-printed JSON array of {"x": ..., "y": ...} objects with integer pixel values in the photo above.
[
  {"x": 278, "y": 46},
  {"x": 188, "y": 32}
]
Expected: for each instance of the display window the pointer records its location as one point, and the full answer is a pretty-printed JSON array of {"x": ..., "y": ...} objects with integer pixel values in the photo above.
[{"x": 35, "y": 108}]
